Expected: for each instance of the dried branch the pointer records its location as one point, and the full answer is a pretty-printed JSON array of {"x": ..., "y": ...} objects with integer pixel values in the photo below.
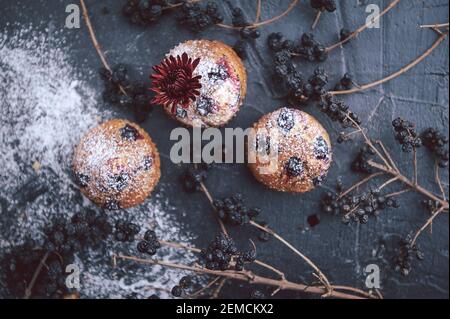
[
  {"x": 30, "y": 286},
  {"x": 258, "y": 11},
  {"x": 428, "y": 222},
  {"x": 248, "y": 276},
  {"x": 438, "y": 180},
  {"x": 360, "y": 183},
  {"x": 394, "y": 75},
  {"x": 203, "y": 289},
  {"x": 435, "y": 26},
  {"x": 363, "y": 27},
  {"x": 316, "y": 19}
]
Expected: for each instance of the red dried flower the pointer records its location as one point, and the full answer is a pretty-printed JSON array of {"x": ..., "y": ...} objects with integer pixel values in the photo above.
[{"x": 174, "y": 82}]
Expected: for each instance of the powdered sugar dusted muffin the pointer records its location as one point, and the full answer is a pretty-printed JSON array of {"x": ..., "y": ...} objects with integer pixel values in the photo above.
[
  {"x": 296, "y": 145},
  {"x": 116, "y": 165},
  {"x": 201, "y": 82}
]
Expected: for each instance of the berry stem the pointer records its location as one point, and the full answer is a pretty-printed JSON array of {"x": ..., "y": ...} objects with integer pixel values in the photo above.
[
  {"x": 258, "y": 11},
  {"x": 428, "y": 222},
  {"x": 203, "y": 289},
  {"x": 394, "y": 75},
  {"x": 211, "y": 201},
  {"x": 250, "y": 277},
  {"x": 97, "y": 46},
  {"x": 361, "y": 182},
  {"x": 438, "y": 180},
  {"x": 316, "y": 19},
  {"x": 363, "y": 27},
  {"x": 29, "y": 288},
  {"x": 435, "y": 26}
]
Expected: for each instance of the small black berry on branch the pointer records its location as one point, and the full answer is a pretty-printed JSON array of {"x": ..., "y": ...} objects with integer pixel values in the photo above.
[
  {"x": 437, "y": 143},
  {"x": 406, "y": 135},
  {"x": 322, "y": 5}
]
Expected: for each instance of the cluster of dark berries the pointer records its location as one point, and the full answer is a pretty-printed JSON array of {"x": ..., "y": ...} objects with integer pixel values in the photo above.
[
  {"x": 437, "y": 143},
  {"x": 85, "y": 229},
  {"x": 338, "y": 111},
  {"x": 21, "y": 263},
  {"x": 125, "y": 231},
  {"x": 184, "y": 283},
  {"x": 357, "y": 208},
  {"x": 346, "y": 83},
  {"x": 232, "y": 210},
  {"x": 144, "y": 12},
  {"x": 407, "y": 252},
  {"x": 308, "y": 48},
  {"x": 119, "y": 90},
  {"x": 192, "y": 178},
  {"x": 150, "y": 244},
  {"x": 219, "y": 253},
  {"x": 322, "y": 5},
  {"x": 360, "y": 163},
  {"x": 198, "y": 18},
  {"x": 222, "y": 251},
  {"x": 406, "y": 135},
  {"x": 246, "y": 32}
]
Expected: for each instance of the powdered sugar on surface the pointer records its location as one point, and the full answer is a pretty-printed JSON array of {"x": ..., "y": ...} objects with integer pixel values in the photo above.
[{"x": 46, "y": 105}]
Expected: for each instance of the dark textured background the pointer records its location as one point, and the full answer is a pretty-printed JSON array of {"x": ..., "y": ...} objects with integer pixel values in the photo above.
[{"x": 420, "y": 95}]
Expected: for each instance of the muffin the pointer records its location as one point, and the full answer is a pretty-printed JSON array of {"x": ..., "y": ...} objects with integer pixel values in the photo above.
[
  {"x": 200, "y": 83},
  {"x": 116, "y": 165},
  {"x": 290, "y": 151}
]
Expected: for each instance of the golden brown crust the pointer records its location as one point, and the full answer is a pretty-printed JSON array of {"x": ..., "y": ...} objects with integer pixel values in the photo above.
[
  {"x": 299, "y": 142},
  {"x": 228, "y": 95},
  {"x": 113, "y": 168}
]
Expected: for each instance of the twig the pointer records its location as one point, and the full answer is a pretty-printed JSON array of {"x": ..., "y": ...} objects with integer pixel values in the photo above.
[
  {"x": 218, "y": 289},
  {"x": 321, "y": 275},
  {"x": 435, "y": 26},
  {"x": 211, "y": 201},
  {"x": 363, "y": 27},
  {"x": 361, "y": 182},
  {"x": 247, "y": 276},
  {"x": 209, "y": 285},
  {"x": 415, "y": 177},
  {"x": 30, "y": 286},
  {"x": 316, "y": 20},
  {"x": 97, "y": 46},
  {"x": 429, "y": 222},
  {"x": 389, "y": 157},
  {"x": 393, "y": 179},
  {"x": 395, "y": 74},
  {"x": 438, "y": 180},
  {"x": 258, "y": 11}
]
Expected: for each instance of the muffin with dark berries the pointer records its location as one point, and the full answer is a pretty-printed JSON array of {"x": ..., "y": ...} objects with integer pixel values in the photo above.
[
  {"x": 289, "y": 151},
  {"x": 200, "y": 83},
  {"x": 116, "y": 165}
]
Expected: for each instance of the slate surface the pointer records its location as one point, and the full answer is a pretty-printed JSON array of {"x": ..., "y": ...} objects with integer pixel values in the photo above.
[{"x": 421, "y": 95}]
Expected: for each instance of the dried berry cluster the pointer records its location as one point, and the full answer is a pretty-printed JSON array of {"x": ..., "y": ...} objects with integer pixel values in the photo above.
[
  {"x": 222, "y": 252},
  {"x": 345, "y": 83},
  {"x": 246, "y": 34},
  {"x": 437, "y": 143},
  {"x": 192, "y": 178},
  {"x": 308, "y": 48},
  {"x": 144, "y": 12},
  {"x": 357, "y": 208},
  {"x": 125, "y": 231},
  {"x": 406, "y": 135},
  {"x": 133, "y": 95},
  {"x": 338, "y": 111},
  {"x": 360, "y": 163},
  {"x": 322, "y": 5},
  {"x": 232, "y": 210},
  {"x": 150, "y": 244},
  {"x": 407, "y": 252},
  {"x": 198, "y": 18}
]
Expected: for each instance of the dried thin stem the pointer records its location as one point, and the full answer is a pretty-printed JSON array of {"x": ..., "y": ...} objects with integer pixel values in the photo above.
[
  {"x": 316, "y": 19},
  {"x": 363, "y": 27},
  {"x": 250, "y": 277},
  {"x": 360, "y": 183},
  {"x": 97, "y": 46},
  {"x": 435, "y": 26},
  {"x": 392, "y": 180},
  {"x": 428, "y": 222},
  {"x": 395, "y": 74},
  {"x": 438, "y": 180},
  {"x": 415, "y": 178},
  {"x": 265, "y": 22},
  {"x": 218, "y": 289},
  {"x": 209, "y": 285},
  {"x": 30, "y": 286},
  {"x": 211, "y": 201},
  {"x": 258, "y": 11},
  {"x": 321, "y": 275},
  {"x": 394, "y": 194},
  {"x": 389, "y": 157}
]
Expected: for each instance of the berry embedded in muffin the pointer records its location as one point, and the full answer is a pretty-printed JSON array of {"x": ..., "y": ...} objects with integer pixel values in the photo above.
[
  {"x": 116, "y": 165},
  {"x": 200, "y": 83},
  {"x": 290, "y": 151}
]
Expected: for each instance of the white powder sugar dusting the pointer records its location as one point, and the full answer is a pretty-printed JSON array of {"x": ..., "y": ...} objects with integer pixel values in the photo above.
[{"x": 45, "y": 108}]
